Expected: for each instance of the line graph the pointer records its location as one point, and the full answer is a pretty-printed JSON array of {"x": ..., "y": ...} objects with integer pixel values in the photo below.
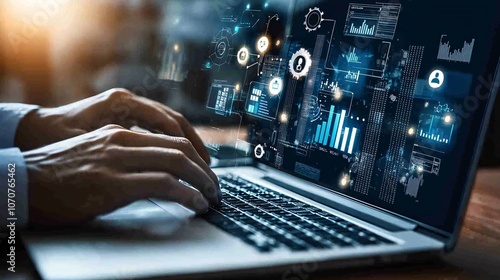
[{"x": 352, "y": 57}]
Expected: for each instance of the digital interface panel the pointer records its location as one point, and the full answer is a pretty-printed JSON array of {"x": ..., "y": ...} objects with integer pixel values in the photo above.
[{"x": 370, "y": 99}]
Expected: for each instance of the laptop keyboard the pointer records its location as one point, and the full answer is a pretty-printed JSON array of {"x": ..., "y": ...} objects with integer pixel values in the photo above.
[{"x": 269, "y": 220}]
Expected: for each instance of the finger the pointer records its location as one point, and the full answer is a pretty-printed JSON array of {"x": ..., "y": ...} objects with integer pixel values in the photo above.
[
  {"x": 149, "y": 116},
  {"x": 175, "y": 162},
  {"x": 170, "y": 142},
  {"x": 162, "y": 186},
  {"x": 188, "y": 130},
  {"x": 190, "y": 133}
]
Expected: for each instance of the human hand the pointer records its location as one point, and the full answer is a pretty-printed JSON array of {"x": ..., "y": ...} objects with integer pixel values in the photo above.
[
  {"x": 80, "y": 178},
  {"x": 118, "y": 106}
]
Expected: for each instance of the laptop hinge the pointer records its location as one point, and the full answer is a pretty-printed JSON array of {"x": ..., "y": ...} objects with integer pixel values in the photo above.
[
  {"x": 338, "y": 206},
  {"x": 432, "y": 234}
]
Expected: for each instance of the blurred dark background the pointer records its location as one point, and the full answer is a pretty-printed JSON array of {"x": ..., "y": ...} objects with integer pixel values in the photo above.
[{"x": 54, "y": 52}]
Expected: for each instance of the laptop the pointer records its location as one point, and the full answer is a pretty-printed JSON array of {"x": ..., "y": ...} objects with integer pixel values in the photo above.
[{"x": 365, "y": 123}]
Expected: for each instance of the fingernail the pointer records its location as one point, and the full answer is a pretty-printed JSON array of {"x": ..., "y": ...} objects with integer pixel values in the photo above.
[
  {"x": 204, "y": 205},
  {"x": 201, "y": 205}
]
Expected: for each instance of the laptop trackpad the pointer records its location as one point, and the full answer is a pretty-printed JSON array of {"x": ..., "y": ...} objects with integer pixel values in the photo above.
[{"x": 148, "y": 216}]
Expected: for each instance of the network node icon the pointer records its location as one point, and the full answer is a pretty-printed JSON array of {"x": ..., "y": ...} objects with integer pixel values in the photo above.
[
  {"x": 263, "y": 44},
  {"x": 221, "y": 47},
  {"x": 313, "y": 20},
  {"x": 276, "y": 86},
  {"x": 243, "y": 56},
  {"x": 259, "y": 152},
  {"x": 300, "y": 64}
]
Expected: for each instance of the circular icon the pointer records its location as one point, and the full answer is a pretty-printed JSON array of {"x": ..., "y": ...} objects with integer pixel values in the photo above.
[
  {"x": 263, "y": 44},
  {"x": 259, "y": 152},
  {"x": 243, "y": 56},
  {"x": 300, "y": 64},
  {"x": 436, "y": 79},
  {"x": 276, "y": 86},
  {"x": 221, "y": 49},
  {"x": 314, "y": 18}
]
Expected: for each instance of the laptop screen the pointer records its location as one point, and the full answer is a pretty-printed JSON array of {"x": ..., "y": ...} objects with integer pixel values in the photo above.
[{"x": 380, "y": 101}]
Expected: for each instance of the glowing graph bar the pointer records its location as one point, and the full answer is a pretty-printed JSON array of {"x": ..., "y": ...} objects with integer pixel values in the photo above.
[
  {"x": 318, "y": 131},
  {"x": 339, "y": 131},
  {"x": 335, "y": 129},
  {"x": 344, "y": 141},
  {"x": 323, "y": 130},
  {"x": 329, "y": 126},
  {"x": 353, "y": 140}
]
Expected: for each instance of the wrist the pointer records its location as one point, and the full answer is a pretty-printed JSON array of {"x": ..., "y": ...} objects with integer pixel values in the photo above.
[{"x": 35, "y": 129}]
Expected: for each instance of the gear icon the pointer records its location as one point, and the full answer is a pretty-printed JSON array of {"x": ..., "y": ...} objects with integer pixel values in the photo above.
[
  {"x": 313, "y": 20},
  {"x": 300, "y": 63}
]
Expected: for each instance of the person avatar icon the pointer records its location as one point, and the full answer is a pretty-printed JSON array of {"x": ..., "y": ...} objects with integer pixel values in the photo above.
[
  {"x": 276, "y": 84},
  {"x": 436, "y": 79}
]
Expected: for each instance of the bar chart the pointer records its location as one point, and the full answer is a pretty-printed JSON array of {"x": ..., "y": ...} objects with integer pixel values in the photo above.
[
  {"x": 459, "y": 55},
  {"x": 364, "y": 29},
  {"x": 434, "y": 130},
  {"x": 352, "y": 76},
  {"x": 340, "y": 137}
]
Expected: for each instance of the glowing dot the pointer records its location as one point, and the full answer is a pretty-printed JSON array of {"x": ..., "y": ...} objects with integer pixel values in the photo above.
[
  {"x": 420, "y": 169},
  {"x": 236, "y": 29},
  {"x": 337, "y": 95},
  {"x": 248, "y": 6},
  {"x": 237, "y": 87},
  {"x": 266, "y": 5},
  {"x": 176, "y": 48},
  {"x": 426, "y": 104},
  {"x": 448, "y": 119},
  {"x": 411, "y": 131},
  {"x": 278, "y": 43},
  {"x": 345, "y": 181},
  {"x": 284, "y": 117}
]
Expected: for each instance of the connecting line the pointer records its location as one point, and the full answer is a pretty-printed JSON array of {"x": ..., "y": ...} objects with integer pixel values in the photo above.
[
  {"x": 256, "y": 23},
  {"x": 248, "y": 67},
  {"x": 269, "y": 22}
]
